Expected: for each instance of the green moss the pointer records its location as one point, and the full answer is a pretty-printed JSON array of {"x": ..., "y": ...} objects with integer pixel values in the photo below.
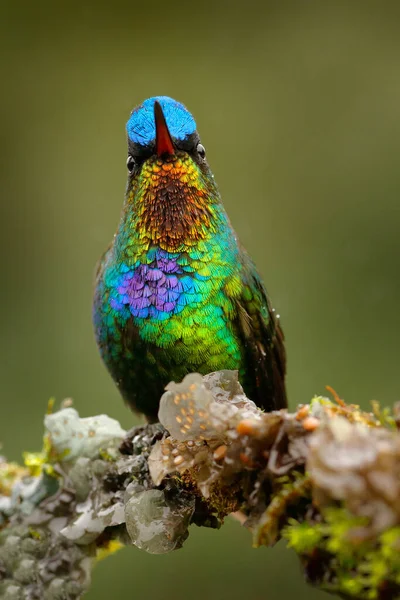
[
  {"x": 290, "y": 491},
  {"x": 356, "y": 567},
  {"x": 383, "y": 415},
  {"x": 302, "y": 537},
  {"x": 351, "y": 586},
  {"x": 390, "y": 542}
]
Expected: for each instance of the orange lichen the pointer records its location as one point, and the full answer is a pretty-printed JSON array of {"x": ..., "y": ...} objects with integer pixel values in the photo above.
[
  {"x": 246, "y": 460},
  {"x": 336, "y": 396},
  {"x": 302, "y": 412},
  {"x": 311, "y": 423},
  {"x": 220, "y": 452},
  {"x": 246, "y": 427}
]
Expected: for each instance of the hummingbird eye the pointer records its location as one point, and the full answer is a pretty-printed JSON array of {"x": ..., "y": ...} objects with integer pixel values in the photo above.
[
  {"x": 201, "y": 151},
  {"x": 130, "y": 163}
]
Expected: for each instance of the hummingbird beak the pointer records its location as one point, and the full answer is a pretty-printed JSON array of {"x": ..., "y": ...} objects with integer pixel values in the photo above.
[{"x": 164, "y": 143}]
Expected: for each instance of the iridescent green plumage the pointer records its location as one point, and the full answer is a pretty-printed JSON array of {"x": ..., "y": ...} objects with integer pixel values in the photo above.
[{"x": 175, "y": 292}]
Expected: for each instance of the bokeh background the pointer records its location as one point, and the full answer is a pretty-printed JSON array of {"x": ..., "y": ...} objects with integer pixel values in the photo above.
[{"x": 298, "y": 106}]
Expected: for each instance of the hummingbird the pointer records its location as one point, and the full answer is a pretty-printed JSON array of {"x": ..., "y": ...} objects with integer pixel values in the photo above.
[{"x": 176, "y": 292}]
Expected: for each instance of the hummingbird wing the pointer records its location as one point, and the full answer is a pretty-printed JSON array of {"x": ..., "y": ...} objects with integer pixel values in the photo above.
[{"x": 263, "y": 342}]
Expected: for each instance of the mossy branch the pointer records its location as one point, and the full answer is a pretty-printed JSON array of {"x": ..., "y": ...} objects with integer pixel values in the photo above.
[{"x": 326, "y": 478}]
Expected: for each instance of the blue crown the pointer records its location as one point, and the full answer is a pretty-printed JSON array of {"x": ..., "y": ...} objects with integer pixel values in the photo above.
[{"x": 141, "y": 128}]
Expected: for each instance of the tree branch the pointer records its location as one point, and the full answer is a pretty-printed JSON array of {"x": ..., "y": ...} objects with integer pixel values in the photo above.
[{"x": 326, "y": 478}]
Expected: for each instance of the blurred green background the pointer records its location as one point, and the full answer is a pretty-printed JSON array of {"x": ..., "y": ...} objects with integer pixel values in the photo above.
[{"x": 298, "y": 106}]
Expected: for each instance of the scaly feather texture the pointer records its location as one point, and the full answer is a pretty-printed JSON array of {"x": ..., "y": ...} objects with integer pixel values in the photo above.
[{"x": 175, "y": 292}]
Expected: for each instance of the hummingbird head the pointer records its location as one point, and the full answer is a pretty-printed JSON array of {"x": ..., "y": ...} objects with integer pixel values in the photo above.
[
  {"x": 161, "y": 127},
  {"x": 170, "y": 187}
]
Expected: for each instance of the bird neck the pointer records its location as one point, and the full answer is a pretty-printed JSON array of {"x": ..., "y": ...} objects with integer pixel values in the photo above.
[{"x": 173, "y": 205}]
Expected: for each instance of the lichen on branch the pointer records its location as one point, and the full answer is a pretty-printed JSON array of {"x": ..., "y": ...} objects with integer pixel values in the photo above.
[{"x": 325, "y": 477}]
